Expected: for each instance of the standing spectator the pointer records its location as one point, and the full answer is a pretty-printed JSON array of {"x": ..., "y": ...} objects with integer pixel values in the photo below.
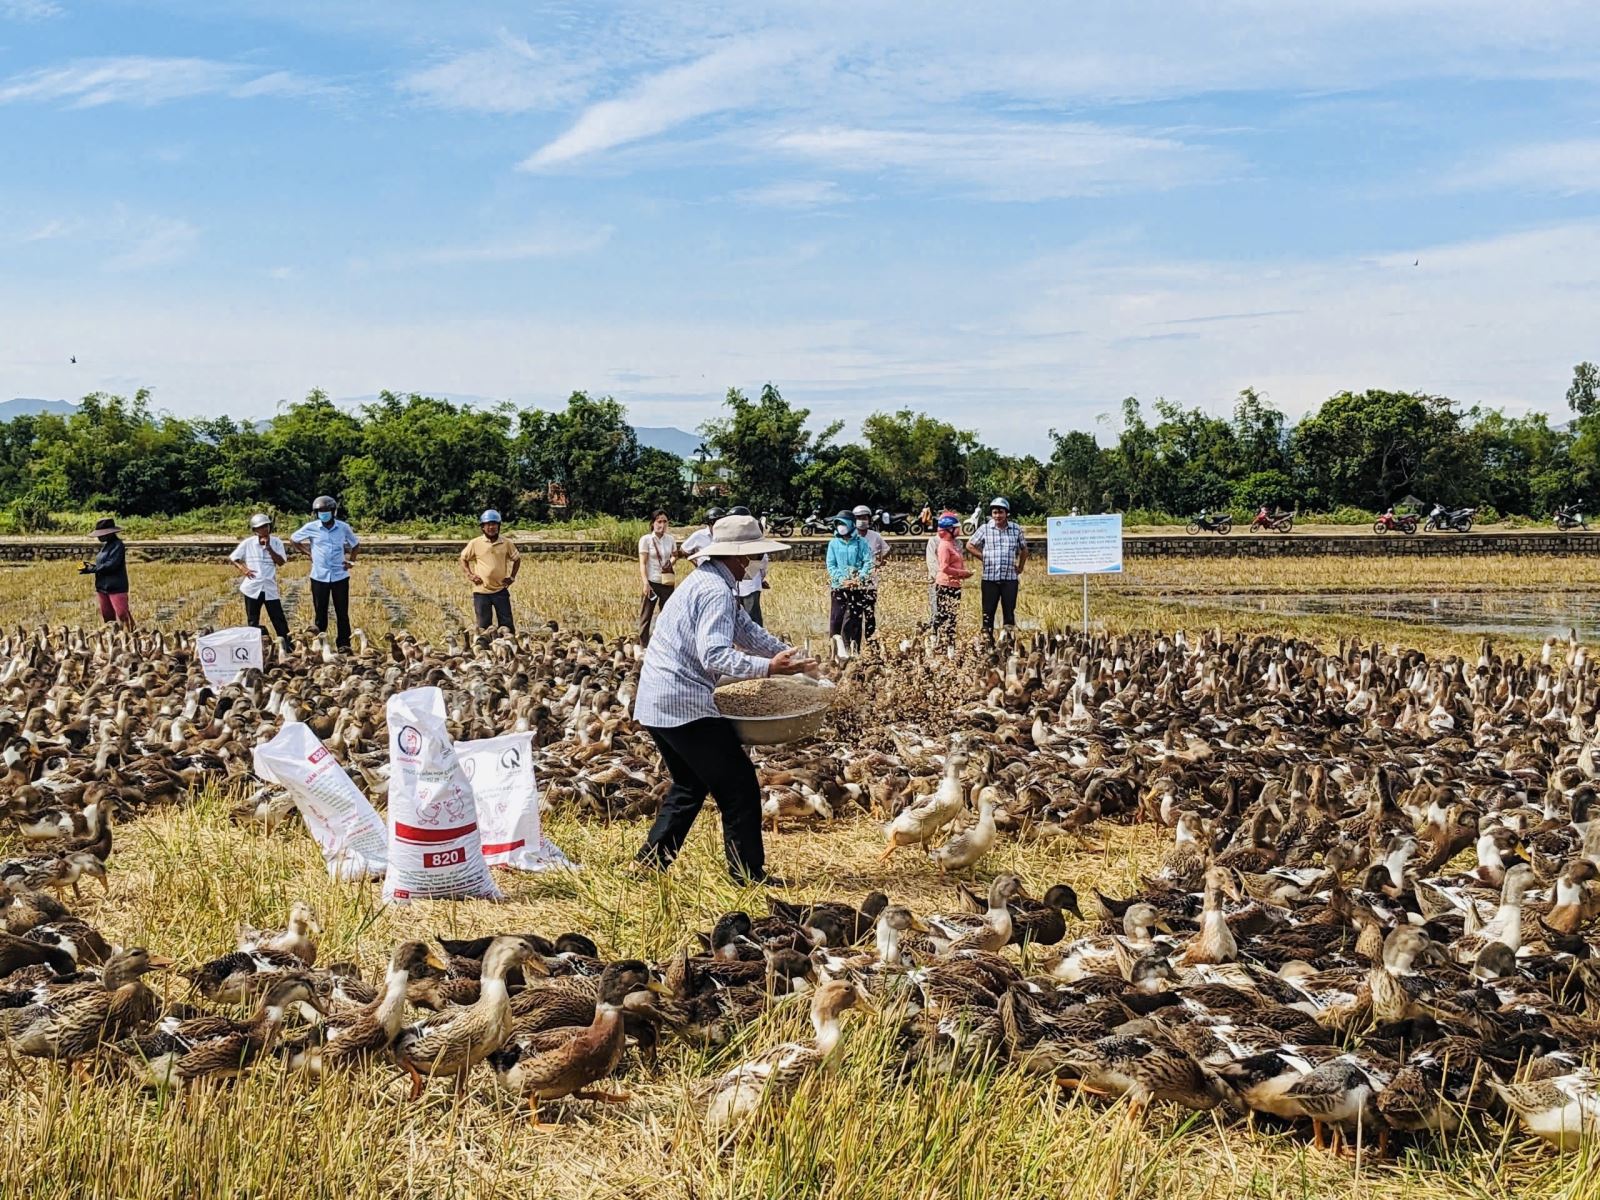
[
  {"x": 110, "y": 571},
  {"x": 879, "y": 546},
  {"x": 749, "y": 588},
  {"x": 1004, "y": 553},
  {"x": 849, "y": 569},
  {"x": 658, "y": 553},
  {"x": 257, "y": 559},
  {"x": 947, "y": 584},
  {"x": 693, "y": 547},
  {"x": 931, "y": 557},
  {"x": 490, "y": 562},
  {"x": 331, "y": 546}
]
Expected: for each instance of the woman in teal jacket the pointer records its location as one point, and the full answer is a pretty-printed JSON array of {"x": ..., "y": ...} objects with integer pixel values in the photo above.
[{"x": 849, "y": 567}]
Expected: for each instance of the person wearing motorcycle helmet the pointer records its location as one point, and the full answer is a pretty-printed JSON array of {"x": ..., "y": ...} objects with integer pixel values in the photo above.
[
  {"x": 947, "y": 584},
  {"x": 749, "y": 588},
  {"x": 257, "y": 559},
  {"x": 1003, "y": 551},
  {"x": 490, "y": 563},
  {"x": 331, "y": 546},
  {"x": 850, "y": 564},
  {"x": 879, "y": 545},
  {"x": 693, "y": 547}
]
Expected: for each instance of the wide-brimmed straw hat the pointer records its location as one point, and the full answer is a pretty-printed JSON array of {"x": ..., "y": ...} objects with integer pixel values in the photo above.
[
  {"x": 105, "y": 527},
  {"x": 736, "y": 537}
]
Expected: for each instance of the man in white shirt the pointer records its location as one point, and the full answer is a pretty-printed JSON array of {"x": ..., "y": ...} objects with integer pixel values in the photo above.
[
  {"x": 693, "y": 547},
  {"x": 879, "y": 546},
  {"x": 257, "y": 560},
  {"x": 658, "y": 553}
]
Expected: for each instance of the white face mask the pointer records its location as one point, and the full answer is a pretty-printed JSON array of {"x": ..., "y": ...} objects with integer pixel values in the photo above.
[{"x": 863, "y": 522}]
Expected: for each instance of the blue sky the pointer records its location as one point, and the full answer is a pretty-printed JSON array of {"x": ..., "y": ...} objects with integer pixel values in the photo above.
[{"x": 1008, "y": 215}]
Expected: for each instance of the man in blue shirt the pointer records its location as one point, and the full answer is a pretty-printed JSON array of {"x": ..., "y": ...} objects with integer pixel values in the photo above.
[{"x": 331, "y": 546}]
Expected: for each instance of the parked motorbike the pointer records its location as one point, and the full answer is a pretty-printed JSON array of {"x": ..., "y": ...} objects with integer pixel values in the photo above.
[
  {"x": 885, "y": 521},
  {"x": 1211, "y": 523},
  {"x": 1271, "y": 521},
  {"x": 777, "y": 524},
  {"x": 1390, "y": 523},
  {"x": 925, "y": 521},
  {"x": 1571, "y": 517},
  {"x": 1450, "y": 520},
  {"x": 816, "y": 525},
  {"x": 969, "y": 526}
]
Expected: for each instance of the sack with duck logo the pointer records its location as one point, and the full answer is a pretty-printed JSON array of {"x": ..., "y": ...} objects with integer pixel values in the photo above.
[
  {"x": 228, "y": 653},
  {"x": 435, "y": 852},
  {"x": 501, "y": 771},
  {"x": 346, "y": 827}
]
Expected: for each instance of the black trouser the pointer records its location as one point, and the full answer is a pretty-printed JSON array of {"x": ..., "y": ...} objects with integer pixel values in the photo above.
[
  {"x": 654, "y": 601},
  {"x": 752, "y": 605},
  {"x": 707, "y": 756},
  {"x": 849, "y": 614},
  {"x": 1001, "y": 593},
  {"x": 252, "y": 614},
  {"x": 339, "y": 592},
  {"x": 492, "y": 607},
  {"x": 946, "y": 604}
]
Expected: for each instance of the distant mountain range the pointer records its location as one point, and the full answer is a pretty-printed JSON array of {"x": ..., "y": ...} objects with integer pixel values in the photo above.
[
  {"x": 668, "y": 438},
  {"x": 664, "y": 437},
  {"x": 27, "y": 406}
]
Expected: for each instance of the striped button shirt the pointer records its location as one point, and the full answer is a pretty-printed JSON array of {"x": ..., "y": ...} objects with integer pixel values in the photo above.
[
  {"x": 701, "y": 636},
  {"x": 999, "y": 547}
]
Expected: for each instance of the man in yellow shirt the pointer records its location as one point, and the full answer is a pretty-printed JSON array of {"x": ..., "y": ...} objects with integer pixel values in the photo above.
[{"x": 491, "y": 563}]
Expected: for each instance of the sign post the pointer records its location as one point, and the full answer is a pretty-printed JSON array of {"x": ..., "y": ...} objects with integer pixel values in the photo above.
[{"x": 1090, "y": 545}]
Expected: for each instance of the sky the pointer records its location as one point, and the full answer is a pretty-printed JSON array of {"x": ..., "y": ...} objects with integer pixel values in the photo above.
[{"x": 1007, "y": 215}]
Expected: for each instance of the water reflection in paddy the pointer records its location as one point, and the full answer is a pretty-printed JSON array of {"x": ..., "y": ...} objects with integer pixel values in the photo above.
[{"x": 1523, "y": 613}]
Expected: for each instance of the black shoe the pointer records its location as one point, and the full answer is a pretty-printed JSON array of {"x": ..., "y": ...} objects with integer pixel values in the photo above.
[{"x": 343, "y": 648}]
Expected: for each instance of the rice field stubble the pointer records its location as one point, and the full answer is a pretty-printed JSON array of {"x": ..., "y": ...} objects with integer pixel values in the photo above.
[{"x": 858, "y": 1133}]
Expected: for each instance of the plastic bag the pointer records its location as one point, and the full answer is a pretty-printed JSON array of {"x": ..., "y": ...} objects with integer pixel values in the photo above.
[
  {"x": 229, "y": 653},
  {"x": 507, "y": 794},
  {"x": 435, "y": 852},
  {"x": 346, "y": 827}
]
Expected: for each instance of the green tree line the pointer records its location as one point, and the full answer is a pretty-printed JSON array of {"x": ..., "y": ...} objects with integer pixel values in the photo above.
[{"x": 413, "y": 457}]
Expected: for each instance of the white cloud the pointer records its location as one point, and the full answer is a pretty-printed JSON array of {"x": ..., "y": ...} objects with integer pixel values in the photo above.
[
  {"x": 49, "y": 231},
  {"x": 30, "y": 10},
  {"x": 145, "y": 81},
  {"x": 1013, "y": 160},
  {"x": 548, "y": 243},
  {"x": 1495, "y": 321},
  {"x": 154, "y": 243},
  {"x": 511, "y": 76},
  {"x": 728, "y": 77},
  {"x": 1569, "y": 168},
  {"x": 799, "y": 194}
]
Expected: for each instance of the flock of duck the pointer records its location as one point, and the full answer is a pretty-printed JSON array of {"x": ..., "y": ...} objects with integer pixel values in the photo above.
[{"x": 1375, "y": 916}]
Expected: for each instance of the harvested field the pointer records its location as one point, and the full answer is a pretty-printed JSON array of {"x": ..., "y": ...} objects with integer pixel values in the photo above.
[{"x": 184, "y": 878}]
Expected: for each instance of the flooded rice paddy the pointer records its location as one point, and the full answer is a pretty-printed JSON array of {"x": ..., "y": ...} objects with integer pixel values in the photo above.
[{"x": 1522, "y": 613}]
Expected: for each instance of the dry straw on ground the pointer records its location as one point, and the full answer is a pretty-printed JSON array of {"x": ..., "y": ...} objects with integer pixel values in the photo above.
[{"x": 183, "y": 880}]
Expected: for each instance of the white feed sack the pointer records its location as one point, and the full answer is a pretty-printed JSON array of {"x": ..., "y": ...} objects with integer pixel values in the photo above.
[
  {"x": 229, "y": 653},
  {"x": 501, "y": 771},
  {"x": 435, "y": 852},
  {"x": 346, "y": 827}
]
